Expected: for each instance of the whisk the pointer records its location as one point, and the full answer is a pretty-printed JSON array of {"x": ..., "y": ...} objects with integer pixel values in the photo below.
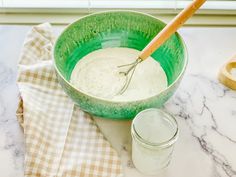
[{"x": 159, "y": 39}]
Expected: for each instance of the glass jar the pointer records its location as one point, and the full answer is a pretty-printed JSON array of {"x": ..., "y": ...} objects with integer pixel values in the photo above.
[{"x": 154, "y": 133}]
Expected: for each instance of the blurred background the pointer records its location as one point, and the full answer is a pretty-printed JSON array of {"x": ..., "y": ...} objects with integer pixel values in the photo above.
[{"x": 213, "y": 12}]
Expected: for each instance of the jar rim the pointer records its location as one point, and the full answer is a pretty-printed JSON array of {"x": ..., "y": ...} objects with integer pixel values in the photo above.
[{"x": 145, "y": 142}]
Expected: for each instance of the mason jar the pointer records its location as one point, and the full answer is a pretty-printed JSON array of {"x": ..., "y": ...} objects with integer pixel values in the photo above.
[{"x": 154, "y": 133}]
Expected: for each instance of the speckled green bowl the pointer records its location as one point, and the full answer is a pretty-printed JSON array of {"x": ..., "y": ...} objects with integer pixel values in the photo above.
[{"x": 117, "y": 29}]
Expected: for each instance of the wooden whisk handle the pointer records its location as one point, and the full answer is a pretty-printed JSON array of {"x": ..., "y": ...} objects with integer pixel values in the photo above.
[{"x": 171, "y": 28}]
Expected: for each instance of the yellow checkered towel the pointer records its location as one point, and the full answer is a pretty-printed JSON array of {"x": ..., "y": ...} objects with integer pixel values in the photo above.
[{"x": 60, "y": 139}]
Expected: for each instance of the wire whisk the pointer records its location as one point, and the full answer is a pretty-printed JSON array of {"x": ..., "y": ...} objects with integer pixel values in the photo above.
[
  {"x": 127, "y": 72},
  {"x": 159, "y": 39}
]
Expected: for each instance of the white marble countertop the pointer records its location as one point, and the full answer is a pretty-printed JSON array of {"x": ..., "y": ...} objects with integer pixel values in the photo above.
[{"x": 205, "y": 110}]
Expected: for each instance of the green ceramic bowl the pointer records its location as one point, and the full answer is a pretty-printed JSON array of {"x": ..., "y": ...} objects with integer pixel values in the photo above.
[{"x": 117, "y": 29}]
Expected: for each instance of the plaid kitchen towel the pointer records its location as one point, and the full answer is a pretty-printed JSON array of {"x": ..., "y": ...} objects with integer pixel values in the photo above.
[{"x": 60, "y": 139}]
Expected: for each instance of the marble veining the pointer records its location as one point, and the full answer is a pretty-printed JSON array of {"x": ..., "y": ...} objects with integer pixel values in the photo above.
[
  {"x": 11, "y": 136},
  {"x": 205, "y": 110},
  {"x": 197, "y": 104}
]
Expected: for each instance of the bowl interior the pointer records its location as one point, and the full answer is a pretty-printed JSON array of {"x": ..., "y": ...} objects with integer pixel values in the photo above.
[{"x": 117, "y": 29}]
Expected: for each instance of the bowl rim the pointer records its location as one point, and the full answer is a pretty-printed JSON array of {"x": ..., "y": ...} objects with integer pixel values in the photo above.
[{"x": 117, "y": 101}]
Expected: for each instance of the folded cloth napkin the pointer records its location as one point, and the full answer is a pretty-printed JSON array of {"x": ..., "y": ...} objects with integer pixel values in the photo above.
[{"x": 60, "y": 139}]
